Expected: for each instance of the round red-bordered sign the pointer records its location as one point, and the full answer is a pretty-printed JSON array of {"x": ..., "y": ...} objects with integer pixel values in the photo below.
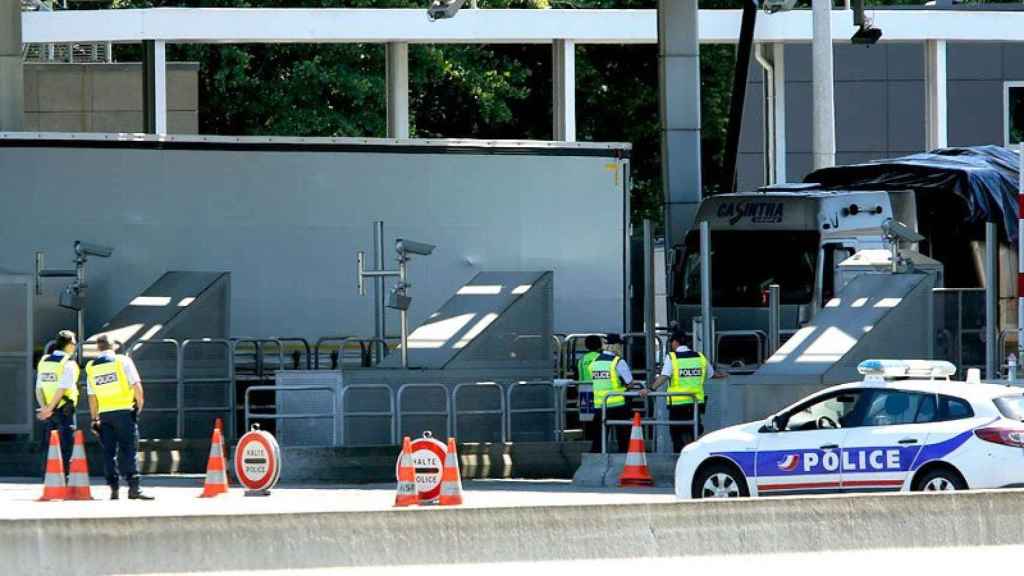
[
  {"x": 257, "y": 460},
  {"x": 428, "y": 456}
]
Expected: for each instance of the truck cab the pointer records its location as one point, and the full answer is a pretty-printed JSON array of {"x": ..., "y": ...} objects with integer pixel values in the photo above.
[{"x": 792, "y": 235}]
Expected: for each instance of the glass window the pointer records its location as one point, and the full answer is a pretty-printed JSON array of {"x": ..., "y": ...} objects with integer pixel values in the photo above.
[
  {"x": 895, "y": 407},
  {"x": 746, "y": 263},
  {"x": 1011, "y": 406},
  {"x": 832, "y": 411},
  {"x": 951, "y": 408},
  {"x": 1013, "y": 116}
]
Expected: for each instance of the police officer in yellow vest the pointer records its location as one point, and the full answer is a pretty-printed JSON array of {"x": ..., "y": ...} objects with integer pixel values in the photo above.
[
  {"x": 115, "y": 401},
  {"x": 593, "y": 345},
  {"x": 57, "y": 393},
  {"x": 685, "y": 371},
  {"x": 610, "y": 373}
]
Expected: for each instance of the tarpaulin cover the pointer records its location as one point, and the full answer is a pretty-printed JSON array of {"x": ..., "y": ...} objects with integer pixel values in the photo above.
[{"x": 985, "y": 177}]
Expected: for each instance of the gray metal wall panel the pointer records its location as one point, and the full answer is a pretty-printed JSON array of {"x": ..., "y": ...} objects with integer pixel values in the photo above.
[
  {"x": 905, "y": 116},
  {"x": 974, "y": 61},
  {"x": 861, "y": 118},
  {"x": 975, "y": 112},
  {"x": 287, "y": 226}
]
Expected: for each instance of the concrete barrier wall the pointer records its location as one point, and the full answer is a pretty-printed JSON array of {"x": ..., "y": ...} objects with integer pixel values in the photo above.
[{"x": 472, "y": 535}]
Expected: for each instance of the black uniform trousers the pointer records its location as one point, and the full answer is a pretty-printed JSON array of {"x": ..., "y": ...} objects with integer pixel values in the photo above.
[
  {"x": 119, "y": 435},
  {"x": 619, "y": 433},
  {"x": 682, "y": 434},
  {"x": 63, "y": 421}
]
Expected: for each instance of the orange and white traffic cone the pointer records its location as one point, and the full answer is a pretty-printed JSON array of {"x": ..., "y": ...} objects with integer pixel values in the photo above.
[
  {"x": 635, "y": 472},
  {"x": 78, "y": 476},
  {"x": 216, "y": 468},
  {"x": 53, "y": 483},
  {"x": 451, "y": 479},
  {"x": 406, "y": 495}
]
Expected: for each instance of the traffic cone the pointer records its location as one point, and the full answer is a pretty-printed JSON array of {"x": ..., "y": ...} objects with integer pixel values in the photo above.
[
  {"x": 216, "y": 473},
  {"x": 451, "y": 479},
  {"x": 53, "y": 483},
  {"x": 78, "y": 477},
  {"x": 635, "y": 472},
  {"x": 406, "y": 495}
]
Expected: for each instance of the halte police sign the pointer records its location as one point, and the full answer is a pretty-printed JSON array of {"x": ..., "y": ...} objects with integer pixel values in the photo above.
[
  {"x": 428, "y": 456},
  {"x": 257, "y": 462}
]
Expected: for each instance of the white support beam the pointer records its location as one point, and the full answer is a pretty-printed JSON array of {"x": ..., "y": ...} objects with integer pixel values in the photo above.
[
  {"x": 12, "y": 83},
  {"x": 823, "y": 103},
  {"x": 397, "y": 86},
  {"x": 563, "y": 82},
  {"x": 487, "y": 26},
  {"x": 778, "y": 52},
  {"x": 936, "y": 127},
  {"x": 154, "y": 92}
]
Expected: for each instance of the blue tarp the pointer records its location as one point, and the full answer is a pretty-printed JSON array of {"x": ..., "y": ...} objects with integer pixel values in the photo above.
[{"x": 985, "y": 177}]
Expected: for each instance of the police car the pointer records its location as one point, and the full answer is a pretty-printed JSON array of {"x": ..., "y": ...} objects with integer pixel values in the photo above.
[{"x": 906, "y": 426}]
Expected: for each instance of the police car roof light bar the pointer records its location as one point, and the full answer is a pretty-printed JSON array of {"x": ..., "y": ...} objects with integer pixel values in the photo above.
[{"x": 930, "y": 369}]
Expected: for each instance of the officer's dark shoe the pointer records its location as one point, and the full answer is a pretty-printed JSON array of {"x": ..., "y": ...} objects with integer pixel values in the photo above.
[
  {"x": 114, "y": 495},
  {"x": 138, "y": 495}
]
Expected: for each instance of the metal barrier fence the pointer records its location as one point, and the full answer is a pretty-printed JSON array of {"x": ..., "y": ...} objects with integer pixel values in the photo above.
[
  {"x": 500, "y": 412},
  {"x": 390, "y": 414},
  {"x": 369, "y": 351},
  {"x": 558, "y": 415},
  {"x": 647, "y": 422},
  {"x": 333, "y": 414},
  {"x": 432, "y": 413}
]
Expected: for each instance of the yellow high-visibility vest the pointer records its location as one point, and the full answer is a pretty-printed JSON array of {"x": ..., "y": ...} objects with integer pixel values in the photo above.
[
  {"x": 605, "y": 380},
  {"x": 110, "y": 385},
  {"x": 49, "y": 373},
  {"x": 688, "y": 375}
]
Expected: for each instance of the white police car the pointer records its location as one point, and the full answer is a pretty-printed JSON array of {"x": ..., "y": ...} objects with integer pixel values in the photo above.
[{"x": 905, "y": 427}]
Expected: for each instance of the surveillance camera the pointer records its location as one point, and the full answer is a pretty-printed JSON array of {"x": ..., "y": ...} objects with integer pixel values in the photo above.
[
  {"x": 444, "y": 9},
  {"x": 866, "y": 35},
  {"x": 900, "y": 231},
  {"x": 87, "y": 249},
  {"x": 412, "y": 247},
  {"x": 773, "y": 6}
]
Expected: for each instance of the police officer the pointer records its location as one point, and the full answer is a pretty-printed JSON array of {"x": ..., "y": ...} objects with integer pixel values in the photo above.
[
  {"x": 115, "y": 401},
  {"x": 593, "y": 345},
  {"x": 610, "y": 373},
  {"x": 685, "y": 371},
  {"x": 57, "y": 393}
]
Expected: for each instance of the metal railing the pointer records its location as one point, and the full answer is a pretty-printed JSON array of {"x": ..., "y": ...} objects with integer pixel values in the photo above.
[
  {"x": 333, "y": 414},
  {"x": 400, "y": 414},
  {"x": 647, "y": 422},
  {"x": 760, "y": 336},
  {"x": 179, "y": 391},
  {"x": 390, "y": 414},
  {"x": 367, "y": 348},
  {"x": 228, "y": 380},
  {"x": 296, "y": 354},
  {"x": 557, "y": 409},
  {"x": 500, "y": 412}
]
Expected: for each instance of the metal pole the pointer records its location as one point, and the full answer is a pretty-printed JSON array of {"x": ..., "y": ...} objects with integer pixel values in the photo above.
[
  {"x": 774, "y": 319},
  {"x": 991, "y": 300},
  {"x": 705, "y": 292},
  {"x": 662, "y": 438},
  {"x": 1020, "y": 259},
  {"x": 380, "y": 298},
  {"x": 80, "y": 313},
  {"x": 823, "y": 130},
  {"x": 403, "y": 314}
]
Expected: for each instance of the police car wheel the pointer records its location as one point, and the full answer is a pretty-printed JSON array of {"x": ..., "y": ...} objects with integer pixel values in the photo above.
[
  {"x": 720, "y": 481},
  {"x": 940, "y": 481}
]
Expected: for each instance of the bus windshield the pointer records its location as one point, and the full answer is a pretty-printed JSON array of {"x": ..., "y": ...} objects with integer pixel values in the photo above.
[{"x": 745, "y": 263}]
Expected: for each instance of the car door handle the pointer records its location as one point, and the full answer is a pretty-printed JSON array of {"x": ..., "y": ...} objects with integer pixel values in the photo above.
[
  {"x": 830, "y": 446},
  {"x": 908, "y": 441}
]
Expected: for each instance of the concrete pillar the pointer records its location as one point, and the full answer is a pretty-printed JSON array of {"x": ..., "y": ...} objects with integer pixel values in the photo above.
[
  {"x": 12, "y": 80},
  {"x": 679, "y": 102},
  {"x": 935, "y": 73},
  {"x": 823, "y": 127},
  {"x": 397, "y": 87},
  {"x": 563, "y": 82},
  {"x": 154, "y": 87}
]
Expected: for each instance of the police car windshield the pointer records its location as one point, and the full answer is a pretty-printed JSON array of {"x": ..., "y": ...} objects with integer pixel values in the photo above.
[
  {"x": 1011, "y": 406},
  {"x": 746, "y": 263}
]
